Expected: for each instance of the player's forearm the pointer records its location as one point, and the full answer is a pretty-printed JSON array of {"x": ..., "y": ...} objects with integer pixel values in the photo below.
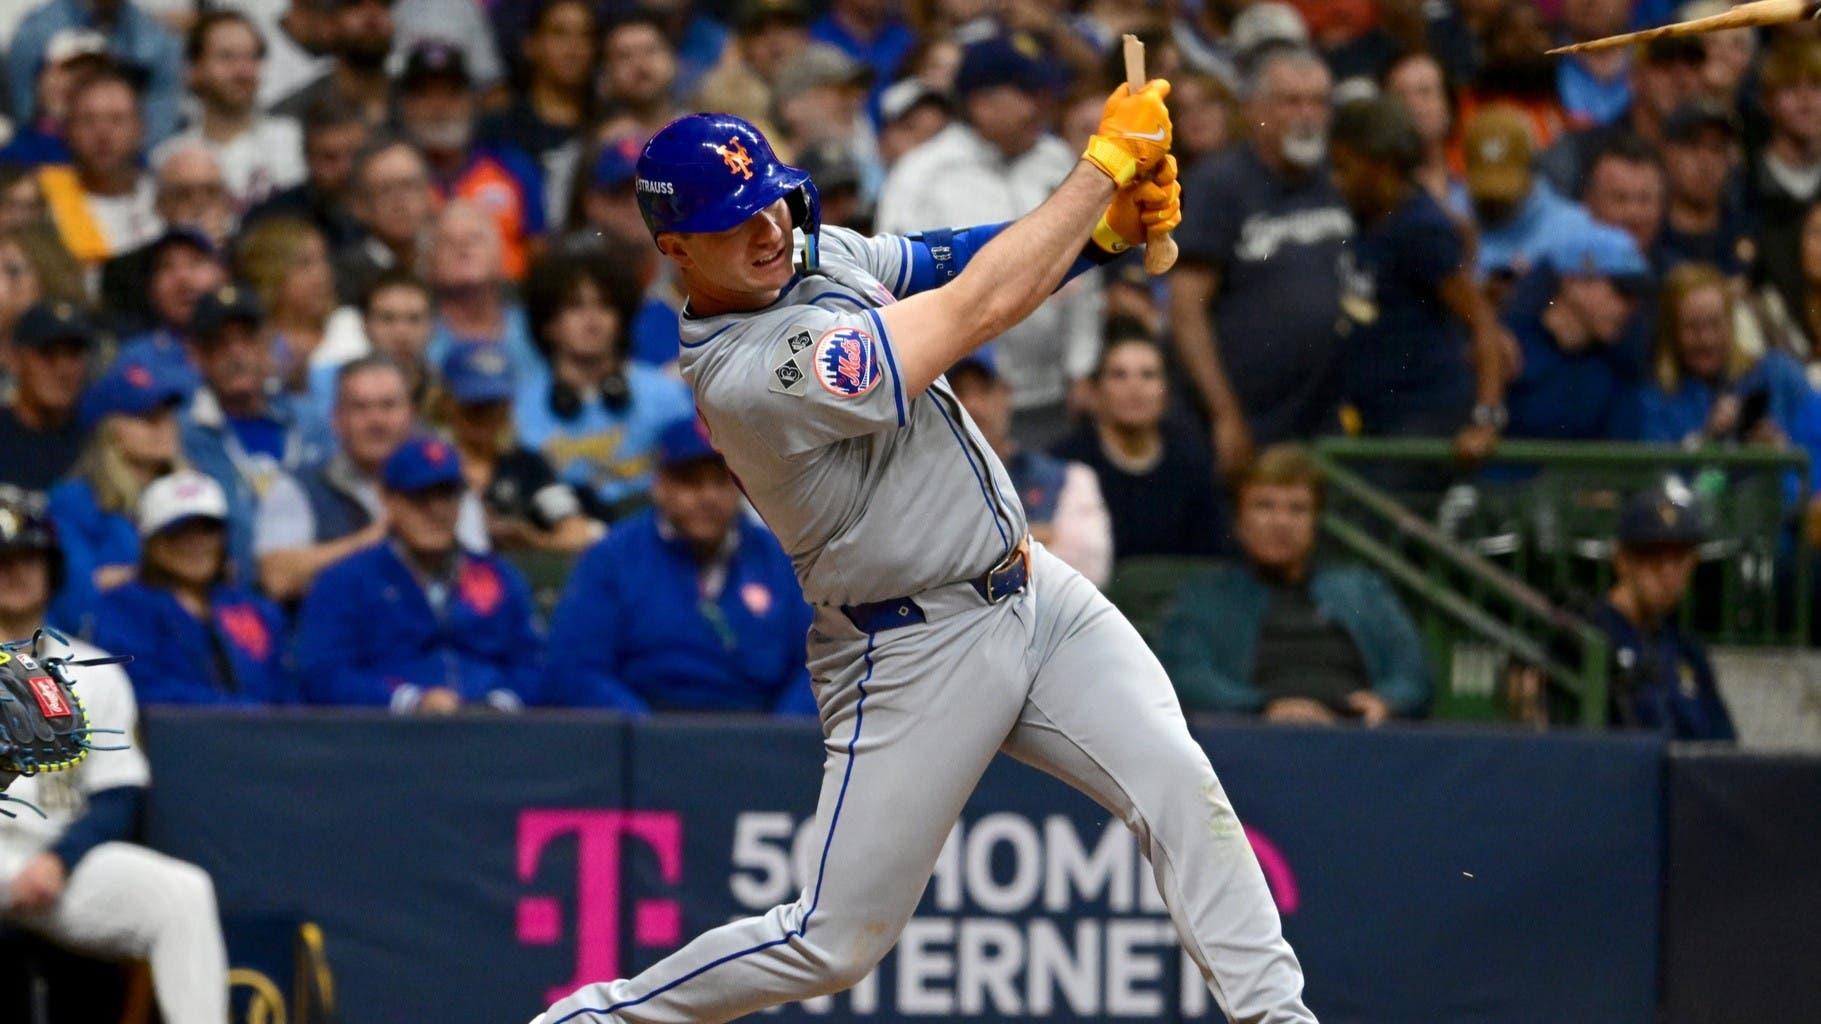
[{"x": 1003, "y": 283}]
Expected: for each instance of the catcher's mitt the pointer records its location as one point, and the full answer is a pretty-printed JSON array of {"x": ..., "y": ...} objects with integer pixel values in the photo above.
[{"x": 43, "y": 727}]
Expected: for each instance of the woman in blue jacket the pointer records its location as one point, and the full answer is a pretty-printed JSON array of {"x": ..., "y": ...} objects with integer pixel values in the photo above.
[
  {"x": 1705, "y": 389},
  {"x": 131, "y": 413},
  {"x": 195, "y": 636}
]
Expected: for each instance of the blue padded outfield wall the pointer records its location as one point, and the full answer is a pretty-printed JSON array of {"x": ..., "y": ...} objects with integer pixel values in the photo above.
[{"x": 467, "y": 870}]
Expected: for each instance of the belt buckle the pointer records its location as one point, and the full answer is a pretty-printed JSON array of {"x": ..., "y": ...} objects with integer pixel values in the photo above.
[{"x": 1010, "y": 575}]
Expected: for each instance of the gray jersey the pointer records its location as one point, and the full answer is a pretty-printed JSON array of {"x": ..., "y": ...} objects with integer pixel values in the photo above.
[{"x": 875, "y": 494}]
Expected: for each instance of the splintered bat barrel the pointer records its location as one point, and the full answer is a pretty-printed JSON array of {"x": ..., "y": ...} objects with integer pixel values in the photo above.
[
  {"x": 1751, "y": 15},
  {"x": 1160, "y": 249}
]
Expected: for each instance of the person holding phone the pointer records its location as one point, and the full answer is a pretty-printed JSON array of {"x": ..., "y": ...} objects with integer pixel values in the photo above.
[{"x": 1704, "y": 388}]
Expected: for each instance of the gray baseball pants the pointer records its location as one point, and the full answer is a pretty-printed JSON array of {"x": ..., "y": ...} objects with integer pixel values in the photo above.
[{"x": 1053, "y": 676}]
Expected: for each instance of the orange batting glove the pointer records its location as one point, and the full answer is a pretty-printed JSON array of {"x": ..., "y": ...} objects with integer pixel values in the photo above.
[
  {"x": 1142, "y": 210},
  {"x": 1134, "y": 134}
]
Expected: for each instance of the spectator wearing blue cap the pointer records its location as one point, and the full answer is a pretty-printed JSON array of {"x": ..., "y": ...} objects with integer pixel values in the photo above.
[
  {"x": 133, "y": 37},
  {"x": 237, "y": 431},
  {"x": 196, "y": 635},
  {"x": 1061, "y": 498},
  {"x": 688, "y": 606},
  {"x": 527, "y": 506},
  {"x": 321, "y": 513},
  {"x": 39, "y": 429},
  {"x": 592, "y": 413},
  {"x": 993, "y": 165},
  {"x": 417, "y": 623},
  {"x": 1583, "y": 331},
  {"x": 131, "y": 415}
]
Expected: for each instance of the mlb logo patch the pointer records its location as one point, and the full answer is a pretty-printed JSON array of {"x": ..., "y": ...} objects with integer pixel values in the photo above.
[
  {"x": 847, "y": 362},
  {"x": 50, "y": 697}
]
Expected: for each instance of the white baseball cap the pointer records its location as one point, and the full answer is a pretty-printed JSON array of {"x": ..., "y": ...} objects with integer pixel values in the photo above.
[
  {"x": 70, "y": 43},
  {"x": 185, "y": 494},
  {"x": 1265, "y": 23}
]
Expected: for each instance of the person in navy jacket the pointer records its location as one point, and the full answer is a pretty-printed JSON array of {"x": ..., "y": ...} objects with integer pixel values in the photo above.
[
  {"x": 195, "y": 636},
  {"x": 1583, "y": 330},
  {"x": 415, "y": 622},
  {"x": 686, "y": 606}
]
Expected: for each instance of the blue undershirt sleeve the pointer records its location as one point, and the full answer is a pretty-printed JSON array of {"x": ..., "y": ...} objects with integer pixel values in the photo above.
[
  {"x": 938, "y": 256},
  {"x": 111, "y": 817}
]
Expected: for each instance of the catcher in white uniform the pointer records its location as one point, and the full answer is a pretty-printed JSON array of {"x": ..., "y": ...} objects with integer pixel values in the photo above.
[{"x": 68, "y": 873}]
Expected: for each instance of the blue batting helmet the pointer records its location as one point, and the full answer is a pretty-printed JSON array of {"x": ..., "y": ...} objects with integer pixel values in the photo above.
[{"x": 710, "y": 172}]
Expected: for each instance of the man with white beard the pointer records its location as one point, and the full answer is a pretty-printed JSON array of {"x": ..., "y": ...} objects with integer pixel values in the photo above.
[{"x": 1257, "y": 295}]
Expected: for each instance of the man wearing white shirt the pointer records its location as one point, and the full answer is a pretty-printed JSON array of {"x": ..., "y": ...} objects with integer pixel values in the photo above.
[
  {"x": 71, "y": 875},
  {"x": 103, "y": 202},
  {"x": 259, "y": 154},
  {"x": 996, "y": 164}
]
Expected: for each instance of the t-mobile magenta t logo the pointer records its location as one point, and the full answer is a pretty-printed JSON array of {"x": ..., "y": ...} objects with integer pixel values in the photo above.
[{"x": 598, "y": 836}]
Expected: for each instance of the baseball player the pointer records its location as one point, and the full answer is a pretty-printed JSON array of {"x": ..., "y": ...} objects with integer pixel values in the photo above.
[
  {"x": 70, "y": 875},
  {"x": 942, "y": 634}
]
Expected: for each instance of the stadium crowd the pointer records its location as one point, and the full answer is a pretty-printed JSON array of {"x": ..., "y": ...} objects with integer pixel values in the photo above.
[
  {"x": 319, "y": 319},
  {"x": 319, "y": 315}
]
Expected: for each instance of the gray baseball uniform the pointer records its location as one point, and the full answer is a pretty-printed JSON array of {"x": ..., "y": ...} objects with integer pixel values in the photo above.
[{"x": 879, "y": 495}]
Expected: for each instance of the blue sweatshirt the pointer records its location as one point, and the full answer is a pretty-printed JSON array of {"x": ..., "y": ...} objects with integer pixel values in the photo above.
[
  {"x": 1587, "y": 395},
  {"x": 90, "y": 537},
  {"x": 235, "y": 658},
  {"x": 368, "y": 630},
  {"x": 634, "y": 631}
]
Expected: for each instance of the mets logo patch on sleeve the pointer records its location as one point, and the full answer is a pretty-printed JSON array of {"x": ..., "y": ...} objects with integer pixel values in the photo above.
[{"x": 846, "y": 362}]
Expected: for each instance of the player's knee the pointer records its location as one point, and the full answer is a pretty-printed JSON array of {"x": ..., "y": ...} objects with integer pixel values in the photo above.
[
  {"x": 845, "y": 956},
  {"x": 844, "y": 969},
  {"x": 188, "y": 887}
]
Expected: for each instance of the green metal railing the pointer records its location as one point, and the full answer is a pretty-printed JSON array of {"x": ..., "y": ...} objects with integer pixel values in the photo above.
[
  {"x": 1547, "y": 512},
  {"x": 1466, "y": 606}
]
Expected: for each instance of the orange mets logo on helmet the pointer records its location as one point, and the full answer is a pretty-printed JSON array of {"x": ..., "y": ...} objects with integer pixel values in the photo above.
[
  {"x": 736, "y": 158},
  {"x": 847, "y": 362}
]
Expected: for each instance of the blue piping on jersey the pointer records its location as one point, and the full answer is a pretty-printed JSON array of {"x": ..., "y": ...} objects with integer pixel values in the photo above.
[
  {"x": 711, "y": 337},
  {"x": 890, "y": 360},
  {"x": 858, "y": 303},
  {"x": 985, "y": 495},
  {"x": 904, "y": 268},
  {"x": 687, "y": 315},
  {"x": 821, "y": 869}
]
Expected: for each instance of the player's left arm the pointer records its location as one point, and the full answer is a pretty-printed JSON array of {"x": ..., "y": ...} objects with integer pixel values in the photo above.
[{"x": 914, "y": 263}]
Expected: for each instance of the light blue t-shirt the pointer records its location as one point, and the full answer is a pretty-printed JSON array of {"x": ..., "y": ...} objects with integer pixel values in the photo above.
[{"x": 609, "y": 453}]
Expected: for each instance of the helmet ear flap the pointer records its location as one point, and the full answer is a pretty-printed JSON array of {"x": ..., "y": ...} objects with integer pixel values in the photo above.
[{"x": 805, "y": 207}]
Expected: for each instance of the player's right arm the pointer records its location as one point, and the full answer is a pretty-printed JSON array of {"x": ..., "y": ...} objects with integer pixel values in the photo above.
[{"x": 1013, "y": 273}]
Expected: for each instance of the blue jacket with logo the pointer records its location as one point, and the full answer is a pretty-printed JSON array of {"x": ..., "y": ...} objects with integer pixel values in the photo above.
[
  {"x": 235, "y": 658},
  {"x": 633, "y": 631},
  {"x": 368, "y": 627}
]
